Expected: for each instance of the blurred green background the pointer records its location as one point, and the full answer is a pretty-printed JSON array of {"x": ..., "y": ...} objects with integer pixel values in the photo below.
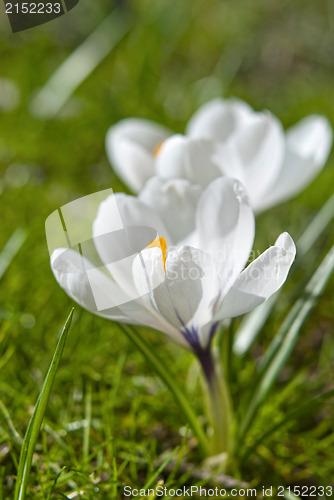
[{"x": 159, "y": 60}]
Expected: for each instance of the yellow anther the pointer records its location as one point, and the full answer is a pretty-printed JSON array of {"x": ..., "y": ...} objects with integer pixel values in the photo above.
[
  {"x": 160, "y": 243},
  {"x": 157, "y": 148}
]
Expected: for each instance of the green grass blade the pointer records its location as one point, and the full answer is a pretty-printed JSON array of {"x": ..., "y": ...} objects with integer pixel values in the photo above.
[
  {"x": 301, "y": 410},
  {"x": 301, "y": 309},
  {"x": 6, "y": 415},
  {"x": 55, "y": 482},
  {"x": 10, "y": 249},
  {"x": 2, "y": 478},
  {"x": 114, "y": 479},
  {"x": 36, "y": 420},
  {"x": 168, "y": 379},
  {"x": 79, "y": 65},
  {"x": 318, "y": 224},
  {"x": 162, "y": 467},
  {"x": 286, "y": 338},
  {"x": 252, "y": 324},
  {"x": 88, "y": 422},
  {"x": 228, "y": 351}
]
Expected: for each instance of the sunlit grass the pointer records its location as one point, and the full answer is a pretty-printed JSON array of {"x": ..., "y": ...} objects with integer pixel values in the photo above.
[{"x": 110, "y": 421}]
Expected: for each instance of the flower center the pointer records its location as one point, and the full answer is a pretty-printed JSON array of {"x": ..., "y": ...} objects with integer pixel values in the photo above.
[
  {"x": 157, "y": 148},
  {"x": 160, "y": 243}
]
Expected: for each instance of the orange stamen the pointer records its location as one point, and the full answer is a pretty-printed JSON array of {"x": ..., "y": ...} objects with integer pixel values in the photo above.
[
  {"x": 157, "y": 148},
  {"x": 160, "y": 243}
]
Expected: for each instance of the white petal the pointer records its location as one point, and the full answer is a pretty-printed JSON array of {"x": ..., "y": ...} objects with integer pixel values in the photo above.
[
  {"x": 263, "y": 277},
  {"x": 149, "y": 277},
  {"x": 133, "y": 213},
  {"x": 175, "y": 200},
  {"x": 148, "y": 273},
  {"x": 226, "y": 227},
  {"x": 130, "y": 145},
  {"x": 187, "y": 158},
  {"x": 132, "y": 163},
  {"x": 308, "y": 145},
  {"x": 193, "y": 286},
  {"x": 219, "y": 119},
  {"x": 259, "y": 149},
  {"x": 162, "y": 289},
  {"x": 94, "y": 291},
  {"x": 88, "y": 286},
  {"x": 186, "y": 295},
  {"x": 120, "y": 210},
  {"x": 228, "y": 159},
  {"x": 312, "y": 138}
]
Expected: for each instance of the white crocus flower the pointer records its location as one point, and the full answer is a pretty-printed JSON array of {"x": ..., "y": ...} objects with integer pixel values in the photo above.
[
  {"x": 183, "y": 283},
  {"x": 225, "y": 137},
  {"x": 131, "y": 145},
  {"x": 253, "y": 154},
  {"x": 273, "y": 166}
]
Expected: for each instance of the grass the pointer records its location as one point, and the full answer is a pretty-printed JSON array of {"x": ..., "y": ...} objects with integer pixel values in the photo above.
[
  {"x": 31, "y": 435},
  {"x": 110, "y": 421}
]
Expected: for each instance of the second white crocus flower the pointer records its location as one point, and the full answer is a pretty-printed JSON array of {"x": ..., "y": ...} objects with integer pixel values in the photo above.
[
  {"x": 186, "y": 281},
  {"x": 272, "y": 164},
  {"x": 225, "y": 137}
]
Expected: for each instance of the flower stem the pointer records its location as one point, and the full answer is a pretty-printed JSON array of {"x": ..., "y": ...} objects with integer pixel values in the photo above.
[{"x": 219, "y": 403}]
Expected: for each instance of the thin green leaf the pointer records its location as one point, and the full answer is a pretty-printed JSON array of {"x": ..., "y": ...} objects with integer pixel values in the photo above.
[
  {"x": 301, "y": 308},
  {"x": 36, "y": 420},
  {"x": 162, "y": 467},
  {"x": 114, "y": 479},
  {"x": 162, "y": 370},
  {"x": 228, "y": 351},
  {"x": 252, "y": 324},
  {"x": 10, "y": 249},
  {"x": 286, "y": 338},
  {"x": 15, "y": 435},
  {"x": 2, "y": 477},
  {"x": 55, "y": 482},
  {"x": 79, "y": 65},
  {"x": 301, "y": 410},
  {"x": 317, "y": 225},
  {"x": 88, "y": 422}
]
